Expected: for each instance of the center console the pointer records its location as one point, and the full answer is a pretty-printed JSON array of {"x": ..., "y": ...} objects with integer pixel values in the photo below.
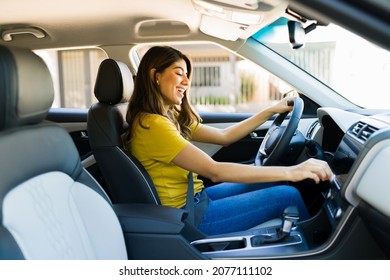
[
  {"x": 251, "y": 244},
  {"x": 274, "y": 238},
  {"x": 341, "y": 163}
]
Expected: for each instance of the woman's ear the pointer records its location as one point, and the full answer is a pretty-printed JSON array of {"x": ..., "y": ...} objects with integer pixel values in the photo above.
[{"x": 153, "y": 75}]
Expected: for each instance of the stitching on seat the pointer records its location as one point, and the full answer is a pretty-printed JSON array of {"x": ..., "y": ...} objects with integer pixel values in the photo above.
[{"x": 43, "y": 205}]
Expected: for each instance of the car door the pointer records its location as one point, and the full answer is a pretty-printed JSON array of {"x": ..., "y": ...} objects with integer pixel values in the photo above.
[{"x": 75, "y": 122}]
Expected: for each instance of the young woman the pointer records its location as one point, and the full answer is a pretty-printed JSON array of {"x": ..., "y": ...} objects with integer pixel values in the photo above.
[{"x": 161, "y": 126}]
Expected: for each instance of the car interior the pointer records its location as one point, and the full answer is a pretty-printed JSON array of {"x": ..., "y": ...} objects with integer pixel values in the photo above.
[{"x": 70, "y": 190}]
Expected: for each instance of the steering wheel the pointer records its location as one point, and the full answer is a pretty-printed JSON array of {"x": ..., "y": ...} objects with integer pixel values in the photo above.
[{"x": 277, "y": 138}]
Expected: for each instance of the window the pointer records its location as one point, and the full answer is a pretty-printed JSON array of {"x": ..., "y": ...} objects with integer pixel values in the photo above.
[
  {"x": 206, "y": 76},
  {"x": 74, "y": 74},
  {"x": 344, "y": 61}
]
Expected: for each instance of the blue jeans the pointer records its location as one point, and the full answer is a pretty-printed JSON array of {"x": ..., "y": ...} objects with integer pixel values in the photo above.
[{"x": 235, "y": 207}]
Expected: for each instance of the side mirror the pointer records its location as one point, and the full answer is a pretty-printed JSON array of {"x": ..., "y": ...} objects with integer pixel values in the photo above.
[{"x": 296, "y": 34}]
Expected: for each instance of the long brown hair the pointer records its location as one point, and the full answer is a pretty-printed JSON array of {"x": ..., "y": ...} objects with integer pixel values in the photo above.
[{"x": 147, "y": 97}]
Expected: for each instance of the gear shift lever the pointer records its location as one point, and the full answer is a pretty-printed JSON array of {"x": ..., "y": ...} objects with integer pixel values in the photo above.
[{"x": 290, "y": 218}]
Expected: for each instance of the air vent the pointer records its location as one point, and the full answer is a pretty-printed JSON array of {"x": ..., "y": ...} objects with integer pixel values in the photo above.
[
  {"x": 363, "y": 131},
  {"x": 357, "y": 128}
]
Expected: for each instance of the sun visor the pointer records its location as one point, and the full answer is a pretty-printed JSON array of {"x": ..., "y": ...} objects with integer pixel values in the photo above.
[{"x": 232, "y": 20}]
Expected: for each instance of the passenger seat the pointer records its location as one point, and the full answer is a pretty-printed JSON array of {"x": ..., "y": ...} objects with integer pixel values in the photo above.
[{"x": 50, "y": 207}]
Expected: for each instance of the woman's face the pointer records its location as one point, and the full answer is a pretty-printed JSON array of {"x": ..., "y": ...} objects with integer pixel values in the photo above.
[{"x": 173, "y": 83}]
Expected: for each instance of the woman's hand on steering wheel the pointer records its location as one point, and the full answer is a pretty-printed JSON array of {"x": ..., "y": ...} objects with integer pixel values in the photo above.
[
  {"x": 284, "y": 105},
  {"x": 277, "y": 139}
]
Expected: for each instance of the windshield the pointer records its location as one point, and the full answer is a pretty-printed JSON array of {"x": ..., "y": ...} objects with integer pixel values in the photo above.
[{"x": 347, "y": 63}]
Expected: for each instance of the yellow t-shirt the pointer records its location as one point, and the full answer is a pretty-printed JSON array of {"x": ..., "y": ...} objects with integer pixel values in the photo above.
[{"x": 155, "y": 147}]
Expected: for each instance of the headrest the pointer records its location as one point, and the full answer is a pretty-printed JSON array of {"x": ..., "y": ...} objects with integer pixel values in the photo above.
[
  {"x": 114, "y": 82},
  {"x": 26, "y": 88}
]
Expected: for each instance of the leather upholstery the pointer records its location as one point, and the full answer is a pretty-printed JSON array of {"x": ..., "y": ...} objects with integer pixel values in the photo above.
[
  {"x": 114, "y": 83},
  {"x": 127, "y": 180},
  {"x": 26, "y": 92}
]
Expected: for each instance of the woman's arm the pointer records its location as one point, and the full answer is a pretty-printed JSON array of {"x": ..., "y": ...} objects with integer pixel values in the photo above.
[
  {"x": 226, "y": 136},
  {"x": 193, "y": 159}
]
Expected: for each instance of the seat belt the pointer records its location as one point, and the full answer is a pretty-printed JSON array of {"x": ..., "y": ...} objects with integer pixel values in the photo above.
[{"x": 190, "y": 199}]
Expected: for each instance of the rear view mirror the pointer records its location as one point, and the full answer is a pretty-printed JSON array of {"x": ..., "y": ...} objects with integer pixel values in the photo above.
[{"x": 296, "y": 34}]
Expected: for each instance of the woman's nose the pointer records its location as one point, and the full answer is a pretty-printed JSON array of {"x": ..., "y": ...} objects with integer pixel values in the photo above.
[{"x": 185, "y": 80}]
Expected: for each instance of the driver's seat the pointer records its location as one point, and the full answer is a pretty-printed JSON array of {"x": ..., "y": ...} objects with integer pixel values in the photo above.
[{"x": 126, "y": 179}]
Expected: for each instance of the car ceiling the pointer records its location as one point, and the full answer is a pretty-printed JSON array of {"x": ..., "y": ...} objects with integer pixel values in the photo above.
[
  {"x": 89, "y": 22},
  {"x": 75, "y": 23},
  {"x": 100, "y": 22}
]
